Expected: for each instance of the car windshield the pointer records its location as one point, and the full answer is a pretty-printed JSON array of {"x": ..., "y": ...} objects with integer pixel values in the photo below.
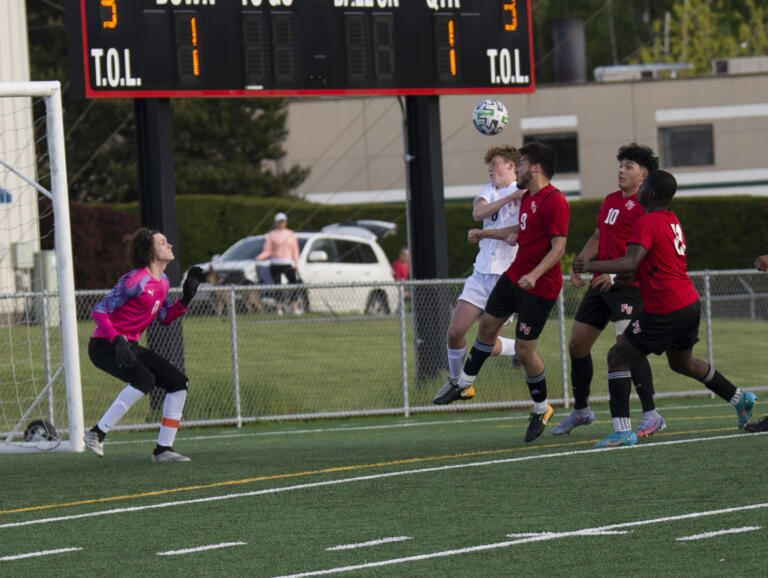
[
  {"x": 249, "y": 248},
  {"x": 245, "y": 249}
]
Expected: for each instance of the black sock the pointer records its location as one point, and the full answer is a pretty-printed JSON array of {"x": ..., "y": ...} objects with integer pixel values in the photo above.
[
  {"x": 619, "y": 386},
  {"x": 477, "y": 356},
  {"x": 99, "y": 433},
  {"x": 160, "y": 449},
  {"x": 643, "y": 380},
  {"x": 537, "y": 387},
  {"x": 581, "y": 378},
  {"x": 717, "y": 382}
]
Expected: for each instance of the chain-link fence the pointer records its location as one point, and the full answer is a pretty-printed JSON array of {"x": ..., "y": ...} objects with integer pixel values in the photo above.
[{"x": 368, "y": 349}]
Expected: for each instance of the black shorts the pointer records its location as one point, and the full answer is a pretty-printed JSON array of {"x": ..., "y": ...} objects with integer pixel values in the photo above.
[
  {"x": 532, "y": 311},
  {"x": 150, "y": 370},
  {"x": 598, "y": 308},
  {"x": 658, "y": 333}
]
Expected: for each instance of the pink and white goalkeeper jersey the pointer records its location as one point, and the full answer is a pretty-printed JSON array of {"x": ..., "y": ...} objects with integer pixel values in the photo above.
[{"x": 132, "y": 304}]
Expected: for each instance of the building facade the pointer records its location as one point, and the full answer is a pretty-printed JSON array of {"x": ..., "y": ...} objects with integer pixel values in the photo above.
[{"x": 710, "y": 132}]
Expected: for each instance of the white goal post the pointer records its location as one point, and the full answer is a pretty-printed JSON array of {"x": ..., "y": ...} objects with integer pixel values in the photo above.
[{"x": 40, "y": 391}]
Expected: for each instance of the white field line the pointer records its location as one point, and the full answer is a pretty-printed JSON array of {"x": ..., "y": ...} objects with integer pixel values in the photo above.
[
  {"x": 201, "y": 548},
  {"x": 521, "y": 417},
  {"x": 542, "y": 537},
  {"x": 366, "y": 478},
  {"x": 719, "y": 533},
  {"x": 595, "y": 533},
  {"x": 37, "y": 554},
  {"x": 369, "y": 543}
]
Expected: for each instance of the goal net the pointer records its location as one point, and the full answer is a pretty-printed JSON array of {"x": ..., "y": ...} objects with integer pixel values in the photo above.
[{"x": 40, "y": 399}]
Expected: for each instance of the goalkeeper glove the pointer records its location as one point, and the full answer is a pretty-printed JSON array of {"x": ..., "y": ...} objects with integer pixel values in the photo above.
[
  {"x": 124, "y": 352},
  {"x": 194, "y": 276}
]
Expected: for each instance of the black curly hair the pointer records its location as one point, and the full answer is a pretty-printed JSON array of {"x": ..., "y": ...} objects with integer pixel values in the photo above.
[
  {"x": 141, "y": 247},
  {"x": 641, "y": 154}
]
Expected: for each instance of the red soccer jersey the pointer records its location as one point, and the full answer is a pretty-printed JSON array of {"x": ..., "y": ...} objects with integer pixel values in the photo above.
[
  {"x": 542, "y": 216},
  {"x": 614, "y": 221},
  {"x": 663, "y": 273}
]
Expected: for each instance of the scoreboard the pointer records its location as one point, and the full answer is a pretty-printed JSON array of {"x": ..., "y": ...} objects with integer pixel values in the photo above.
[{"x": 198, "y": 48}]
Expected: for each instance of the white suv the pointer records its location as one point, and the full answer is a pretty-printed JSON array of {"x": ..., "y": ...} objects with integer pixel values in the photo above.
[{"x": 339, "y": 255}]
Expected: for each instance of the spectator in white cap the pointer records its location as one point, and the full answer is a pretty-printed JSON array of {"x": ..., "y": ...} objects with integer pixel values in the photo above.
[{"x": 281, "y": 247}]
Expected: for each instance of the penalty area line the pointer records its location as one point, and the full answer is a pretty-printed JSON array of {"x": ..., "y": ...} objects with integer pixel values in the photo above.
[
  {"x": 38, "y": 554},
  {"x": 201, "y": 548},
  {"x": 369, "y": 543}
]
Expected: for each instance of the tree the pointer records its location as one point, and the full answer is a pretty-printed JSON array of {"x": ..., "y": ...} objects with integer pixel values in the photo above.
[
  {"x": 220, "y": 146},
  {"x": 703, "y": 30}
]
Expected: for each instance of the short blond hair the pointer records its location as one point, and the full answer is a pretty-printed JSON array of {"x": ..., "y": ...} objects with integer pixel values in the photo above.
[{"x": 509, "y": 153}]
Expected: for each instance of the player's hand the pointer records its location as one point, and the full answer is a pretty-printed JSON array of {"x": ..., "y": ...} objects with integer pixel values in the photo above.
[
  {"x": 194, "y": 276},
  {"x": 124, "y": 352},
  {"x": 511, "y": 239},
  {"x": 624, "y": 279},
  {"x": 475, "y": 235},
  {"x": 602, "y": 282},
  {"x": 527, "y": 282},
  {"x": 579, "y": 265},
  {"x": 576, "y": 280},
  {"x": 761, "y": 263}
]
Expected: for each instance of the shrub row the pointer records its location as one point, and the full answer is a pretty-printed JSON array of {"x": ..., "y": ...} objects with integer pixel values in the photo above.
[{"x": 721, "y": 233}]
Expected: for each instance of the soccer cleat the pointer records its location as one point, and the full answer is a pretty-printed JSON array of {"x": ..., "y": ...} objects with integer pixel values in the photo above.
[
  {"x": 650, "y": 425},
  {"x": 537, "y": 422},
  {"x": 618, "y": 438},
  {"x": 744, "y": 407},
  {"x": 762, "y": 425},
  {"x": 451, "y": 391},
  {"x": 573, "y": 420},
  {"x": 91, "y": 439},
  {"x": 169, "y": 456}
]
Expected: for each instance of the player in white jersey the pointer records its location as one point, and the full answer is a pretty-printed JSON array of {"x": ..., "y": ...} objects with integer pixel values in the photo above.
[{"x": 498, "y": 207}]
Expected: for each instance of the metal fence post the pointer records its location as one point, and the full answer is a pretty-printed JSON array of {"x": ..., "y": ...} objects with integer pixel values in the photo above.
[
  {"x": 235, "y": 365},
  {"x": 563, "y": 350},
  {"x": 403, "y": 350}
]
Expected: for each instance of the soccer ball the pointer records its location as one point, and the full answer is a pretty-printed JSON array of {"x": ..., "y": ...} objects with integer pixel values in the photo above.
[{"x": 490, "y": 117}]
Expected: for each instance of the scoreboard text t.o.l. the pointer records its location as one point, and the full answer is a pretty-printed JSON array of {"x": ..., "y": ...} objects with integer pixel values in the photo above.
[{"x": 179, "y": 48}]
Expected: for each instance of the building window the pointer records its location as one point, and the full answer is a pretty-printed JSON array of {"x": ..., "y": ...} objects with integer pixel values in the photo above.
[
  {"x": 687, "y": 146},
  {"x": 566, "y": 147}
]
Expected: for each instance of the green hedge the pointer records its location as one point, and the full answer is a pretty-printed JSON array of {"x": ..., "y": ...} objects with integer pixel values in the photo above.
[{"x": 721, "y": 233}]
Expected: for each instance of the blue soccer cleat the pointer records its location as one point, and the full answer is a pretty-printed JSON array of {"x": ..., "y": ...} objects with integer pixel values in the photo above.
[
  {"x": 744, "y": 407},
  {"x": 618, "y": 438}
]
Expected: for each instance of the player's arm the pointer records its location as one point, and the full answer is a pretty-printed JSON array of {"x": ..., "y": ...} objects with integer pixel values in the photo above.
[
  {"x": 552, "y": 258},
  {"x": 477, "y": 235},
  {"x": 626, "y": 264},
  {"x": 483, "y": 209},
  {"x": 587, "y": 252}
]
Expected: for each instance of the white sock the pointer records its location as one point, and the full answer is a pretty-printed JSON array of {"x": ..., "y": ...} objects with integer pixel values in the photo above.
[
  {"x": 172, "y": 408},
  {"x": 540, "y": 407},
  {"x": 456, "y": 362},
  {"x": 123, "y": 402},
  {"x": 649, "y": 413},
  {"x": 622, "y": 424},
  {"x": 507, "y": 346},
  {"x": 466, "y": 381}
]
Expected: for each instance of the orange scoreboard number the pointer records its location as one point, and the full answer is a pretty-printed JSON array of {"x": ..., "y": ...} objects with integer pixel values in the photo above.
[
  {"x": 510, "y": 16},
  {"x": 109, "y": 14}
]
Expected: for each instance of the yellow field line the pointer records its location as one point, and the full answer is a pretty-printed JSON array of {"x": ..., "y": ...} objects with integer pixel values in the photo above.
[{"x": 320, "y": 472}]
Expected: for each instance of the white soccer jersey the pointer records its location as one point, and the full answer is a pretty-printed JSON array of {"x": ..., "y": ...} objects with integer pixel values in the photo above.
[{"x": 495, "y": 256}]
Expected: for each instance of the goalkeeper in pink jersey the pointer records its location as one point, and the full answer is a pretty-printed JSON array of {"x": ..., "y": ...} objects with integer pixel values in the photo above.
[{"x": 121, "y": 317}]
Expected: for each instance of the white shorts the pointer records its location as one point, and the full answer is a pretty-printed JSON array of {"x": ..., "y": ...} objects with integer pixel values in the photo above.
[{"x": 477, "y": 288}]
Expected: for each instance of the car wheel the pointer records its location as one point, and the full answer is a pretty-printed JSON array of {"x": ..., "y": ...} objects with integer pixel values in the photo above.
[{"x": 377, "y": 304}]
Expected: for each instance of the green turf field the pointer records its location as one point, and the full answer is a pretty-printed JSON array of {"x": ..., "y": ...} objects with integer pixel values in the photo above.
[{"x": 453, "y": 494}]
